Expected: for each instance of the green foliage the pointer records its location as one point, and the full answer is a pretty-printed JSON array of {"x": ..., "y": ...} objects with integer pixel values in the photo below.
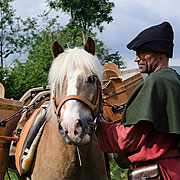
[
  {"x": 105, "y": 56},
  {"x": 116, "y": 172},
  {"x": 115, "y": 58},
  {"x": 22, "y": 77},
  {"x": 92, "y": 13},
  {"x": 33, "y": 72},
  {"x": 13, "y": 32},
  {"x": 12, "y": 176},
  {"x": 85, "y": 14},
  {"x": 7, "y": 42},
  {"x": 35, "y": 40}
]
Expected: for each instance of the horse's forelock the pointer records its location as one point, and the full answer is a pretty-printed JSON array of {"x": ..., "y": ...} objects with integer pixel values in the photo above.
[{"x": 71, "y": 60}]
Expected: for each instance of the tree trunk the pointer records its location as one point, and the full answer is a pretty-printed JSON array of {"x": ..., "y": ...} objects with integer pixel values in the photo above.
[
  {"x": 72, "y": 22},
  {"x": 84, "y": 32},
  {"x": 1, "y": 55}
]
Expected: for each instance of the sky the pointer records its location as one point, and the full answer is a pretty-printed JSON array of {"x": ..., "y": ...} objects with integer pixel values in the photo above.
[{"x": 130, "y": 17}]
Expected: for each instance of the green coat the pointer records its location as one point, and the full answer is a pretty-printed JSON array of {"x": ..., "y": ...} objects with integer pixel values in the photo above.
[{"x": 157, "y": 100}]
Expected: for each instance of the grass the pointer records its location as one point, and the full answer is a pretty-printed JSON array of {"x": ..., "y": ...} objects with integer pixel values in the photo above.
[
  {"x": 12, "y": 176},
  {"x": 117, "y": 173}
]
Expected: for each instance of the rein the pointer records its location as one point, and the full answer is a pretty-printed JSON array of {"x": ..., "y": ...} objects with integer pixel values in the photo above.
[{"x": 115, "y": 108}]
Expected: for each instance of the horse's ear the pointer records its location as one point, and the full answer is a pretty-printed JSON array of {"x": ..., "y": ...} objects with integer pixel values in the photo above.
[
  {"x": 56, "y": 49},
  {"x": 90, "y": 46}
]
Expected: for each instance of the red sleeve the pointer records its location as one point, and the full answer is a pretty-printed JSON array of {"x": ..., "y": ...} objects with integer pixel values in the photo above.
[{"x": 116, "y": 138}]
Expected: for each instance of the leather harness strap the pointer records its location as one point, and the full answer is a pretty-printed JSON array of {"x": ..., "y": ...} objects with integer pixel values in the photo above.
[
  {"x": 79, "y": 98},
  {"x": 34, "y": 105},
  {"x": 8, "y": 138},
  {"x": 74, "y": 97}
]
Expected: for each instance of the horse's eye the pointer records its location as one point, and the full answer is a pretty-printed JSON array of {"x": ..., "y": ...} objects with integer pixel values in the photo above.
[{"x": 91, "y": 79}]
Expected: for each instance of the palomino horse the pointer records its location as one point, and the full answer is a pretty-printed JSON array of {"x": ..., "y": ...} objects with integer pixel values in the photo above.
[{"x": 68, "y": 149}]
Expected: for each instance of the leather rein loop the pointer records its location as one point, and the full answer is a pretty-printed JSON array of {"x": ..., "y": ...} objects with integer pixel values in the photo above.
[
  {"x": 93, "y": 108},
  {"x": 9, "y": 138}
]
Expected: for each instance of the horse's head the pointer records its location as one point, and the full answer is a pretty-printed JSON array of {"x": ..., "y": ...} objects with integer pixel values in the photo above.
[{"x": 75, "y": 78}]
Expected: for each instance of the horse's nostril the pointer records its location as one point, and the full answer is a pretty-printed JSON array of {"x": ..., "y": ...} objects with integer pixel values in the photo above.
[
  {"x": 60, "y": 127},
  {"x": 79, "y": 124},
  {"x": 75, "y": 132}
]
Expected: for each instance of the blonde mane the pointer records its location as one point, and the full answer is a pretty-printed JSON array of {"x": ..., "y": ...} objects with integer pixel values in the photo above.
[{"x": 69, "y": 61}]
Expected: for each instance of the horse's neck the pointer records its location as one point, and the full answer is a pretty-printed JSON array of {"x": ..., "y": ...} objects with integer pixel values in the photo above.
[
  {"x": 62, "y": 161},
  {"x": 53, "y": 140},
  {"x": 70, "y": 152}
]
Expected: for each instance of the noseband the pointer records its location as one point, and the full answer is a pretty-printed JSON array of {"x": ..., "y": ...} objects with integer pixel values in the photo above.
[{"x": 95, "y": 109}]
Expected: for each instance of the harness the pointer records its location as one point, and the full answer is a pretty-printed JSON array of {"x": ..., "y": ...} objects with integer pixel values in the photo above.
[
  {"x": 96, "y": 108},
  {"x": 37, "y": 103}
]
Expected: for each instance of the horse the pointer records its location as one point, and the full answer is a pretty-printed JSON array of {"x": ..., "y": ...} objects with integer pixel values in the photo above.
[{"x": 68, "y": 147}]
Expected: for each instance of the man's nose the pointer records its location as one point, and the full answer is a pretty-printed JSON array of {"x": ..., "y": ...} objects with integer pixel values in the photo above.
[{"x": 136, "y": 59}]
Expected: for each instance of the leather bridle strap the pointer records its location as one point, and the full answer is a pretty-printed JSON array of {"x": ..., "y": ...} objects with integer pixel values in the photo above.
[
  {"x": 74, "y": 97},
  {"x": 79, "y": 98}
]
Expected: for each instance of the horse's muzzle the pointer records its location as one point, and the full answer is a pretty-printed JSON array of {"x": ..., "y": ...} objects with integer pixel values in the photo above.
[{"x": 75, "y": 134}]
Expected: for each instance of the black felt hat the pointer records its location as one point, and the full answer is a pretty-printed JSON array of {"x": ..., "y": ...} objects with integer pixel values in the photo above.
[{"x": 157, "y": 38}]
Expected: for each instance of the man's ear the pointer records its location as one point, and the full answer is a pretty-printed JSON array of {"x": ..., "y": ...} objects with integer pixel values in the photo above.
[{"x": 163, "y": 55}]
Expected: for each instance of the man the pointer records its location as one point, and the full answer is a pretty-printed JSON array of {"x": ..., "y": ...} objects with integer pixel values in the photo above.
[{"x": 150, "y": 127}]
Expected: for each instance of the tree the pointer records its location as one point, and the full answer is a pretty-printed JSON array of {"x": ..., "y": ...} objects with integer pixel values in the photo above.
[
  {"x": 15, "y": 34},
  {"x": 9, "y": 26},
  {"x": 85, "y": 14},
  {"x": 84, "y": 17},
  {"x": 105, "y": 56},
  {"x": 33, "y": 72}
]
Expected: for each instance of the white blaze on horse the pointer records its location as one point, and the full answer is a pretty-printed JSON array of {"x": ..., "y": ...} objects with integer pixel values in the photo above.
[{"x": 68, "y": 148}]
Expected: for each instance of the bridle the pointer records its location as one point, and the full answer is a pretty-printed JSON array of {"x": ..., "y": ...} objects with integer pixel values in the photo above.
[{"x": 96, "y": 109}]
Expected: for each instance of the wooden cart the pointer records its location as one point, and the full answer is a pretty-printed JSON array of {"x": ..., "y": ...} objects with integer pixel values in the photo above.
[
  {"x": 7, "y": 108},
  {"x": 117, "y": 88},
  {"x": 32, "y": 98}
]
